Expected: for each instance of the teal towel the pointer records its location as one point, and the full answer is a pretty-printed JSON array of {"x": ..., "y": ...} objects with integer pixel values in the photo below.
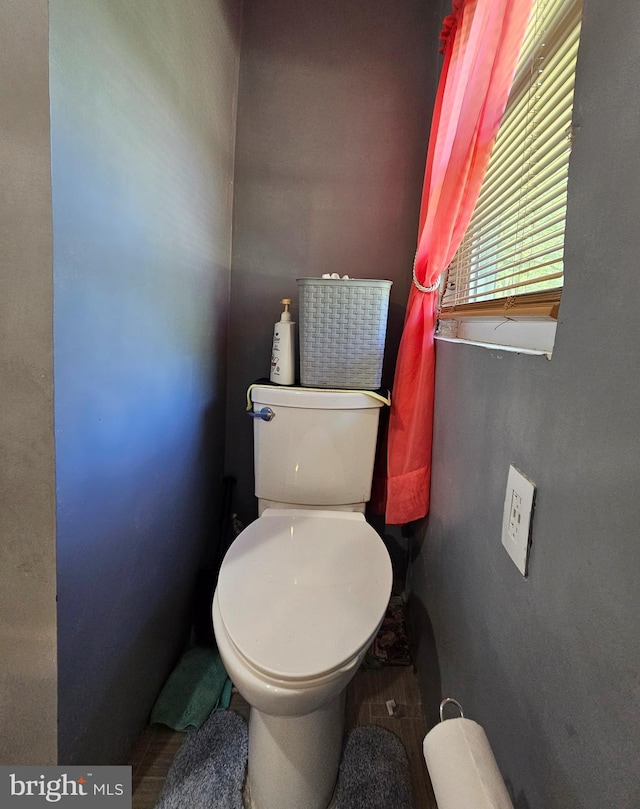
[{"x": 198, "y": 685}]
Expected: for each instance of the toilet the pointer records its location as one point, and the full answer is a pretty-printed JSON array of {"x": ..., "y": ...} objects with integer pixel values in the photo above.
[{"x": 303, "y": 589}]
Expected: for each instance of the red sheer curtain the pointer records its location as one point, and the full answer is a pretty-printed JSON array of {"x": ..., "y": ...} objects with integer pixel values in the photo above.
[{"x": 481, "y": 40}]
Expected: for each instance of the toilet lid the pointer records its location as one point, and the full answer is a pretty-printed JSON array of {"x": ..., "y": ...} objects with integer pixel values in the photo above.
[{"x": 301, "y": 592}]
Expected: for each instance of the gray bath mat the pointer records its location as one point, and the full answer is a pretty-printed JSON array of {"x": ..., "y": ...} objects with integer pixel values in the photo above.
[
  {"x": 374, "y": 771},
  {"x": 209, "y": 768}
]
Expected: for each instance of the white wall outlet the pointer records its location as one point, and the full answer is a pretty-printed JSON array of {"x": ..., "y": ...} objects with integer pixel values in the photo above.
[{"x": 516, "y": 518}]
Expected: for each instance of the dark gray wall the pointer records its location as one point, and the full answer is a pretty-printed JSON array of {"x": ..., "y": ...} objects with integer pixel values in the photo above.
[
  {"x": 549, "y": 665},
  {"x": 142, "y": 129},
  {"x": 333, "y": 119},
  {"x": 27, "y": 494}
]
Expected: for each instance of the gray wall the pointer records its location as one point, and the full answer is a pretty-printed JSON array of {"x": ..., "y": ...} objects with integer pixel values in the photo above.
[
  {"x": 549, "y": 665},
  {"x": 27, "y": 494},
  {"x": 333, "y": 119},
  {"x": 142, "y": 130}
]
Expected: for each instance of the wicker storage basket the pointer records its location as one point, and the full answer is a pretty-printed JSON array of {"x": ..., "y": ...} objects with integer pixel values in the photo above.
[{"x": 343, "y": 325}]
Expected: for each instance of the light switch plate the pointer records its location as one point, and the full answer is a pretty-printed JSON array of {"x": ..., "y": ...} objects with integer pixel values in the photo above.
[{"x": 516, "y": 518}]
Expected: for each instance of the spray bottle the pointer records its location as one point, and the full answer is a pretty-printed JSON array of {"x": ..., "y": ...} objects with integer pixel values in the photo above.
[{"x": 283, "y": 356}]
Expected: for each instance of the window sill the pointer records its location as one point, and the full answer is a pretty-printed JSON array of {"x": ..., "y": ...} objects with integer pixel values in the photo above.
[
  {"x": 533, "y": 336},
  {"x": 534, "y": 352}
]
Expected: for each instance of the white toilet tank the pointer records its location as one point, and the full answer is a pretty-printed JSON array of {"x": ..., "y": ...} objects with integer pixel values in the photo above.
[{"x": 318, "y": 448}]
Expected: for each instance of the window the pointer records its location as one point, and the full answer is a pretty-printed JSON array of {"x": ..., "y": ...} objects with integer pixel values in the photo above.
[{"x": 510, "y": 262}]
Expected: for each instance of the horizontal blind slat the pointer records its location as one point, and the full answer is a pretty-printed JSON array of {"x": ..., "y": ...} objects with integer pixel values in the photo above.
[
  {"x": 539, "y": 283},
  {"x": 510, "y": 193},
  {"x": 556, "y": 73},
  {"x": 483, "y": 234},
  {"x": 544, "y": 236}
]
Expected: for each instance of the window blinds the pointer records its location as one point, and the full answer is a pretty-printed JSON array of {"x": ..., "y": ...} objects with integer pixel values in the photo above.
[{"x": 511, "y": 255}]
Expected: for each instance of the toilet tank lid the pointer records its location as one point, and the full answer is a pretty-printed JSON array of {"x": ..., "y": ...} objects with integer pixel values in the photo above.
[{"x": 317, "y": 399}]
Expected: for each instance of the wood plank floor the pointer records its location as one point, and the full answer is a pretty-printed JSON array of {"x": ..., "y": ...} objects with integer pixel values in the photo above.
[{"x": 366, "y": 697}]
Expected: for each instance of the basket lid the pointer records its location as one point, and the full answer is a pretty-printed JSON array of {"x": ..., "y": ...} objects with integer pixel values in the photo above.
[{"x": 352, "y": 282}]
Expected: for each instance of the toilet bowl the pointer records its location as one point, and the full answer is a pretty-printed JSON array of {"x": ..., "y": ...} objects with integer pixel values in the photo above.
[{"x": 300, "y": 597}]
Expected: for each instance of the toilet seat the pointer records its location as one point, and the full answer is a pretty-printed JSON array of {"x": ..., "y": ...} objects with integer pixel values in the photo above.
[{"x": 301, "y": 592}]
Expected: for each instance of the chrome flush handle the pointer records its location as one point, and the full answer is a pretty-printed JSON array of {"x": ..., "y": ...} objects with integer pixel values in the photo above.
[{"x": 266, "y": 414}]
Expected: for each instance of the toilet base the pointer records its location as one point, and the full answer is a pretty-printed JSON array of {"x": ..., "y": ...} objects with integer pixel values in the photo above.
[{"x": 294, "y": 760}]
